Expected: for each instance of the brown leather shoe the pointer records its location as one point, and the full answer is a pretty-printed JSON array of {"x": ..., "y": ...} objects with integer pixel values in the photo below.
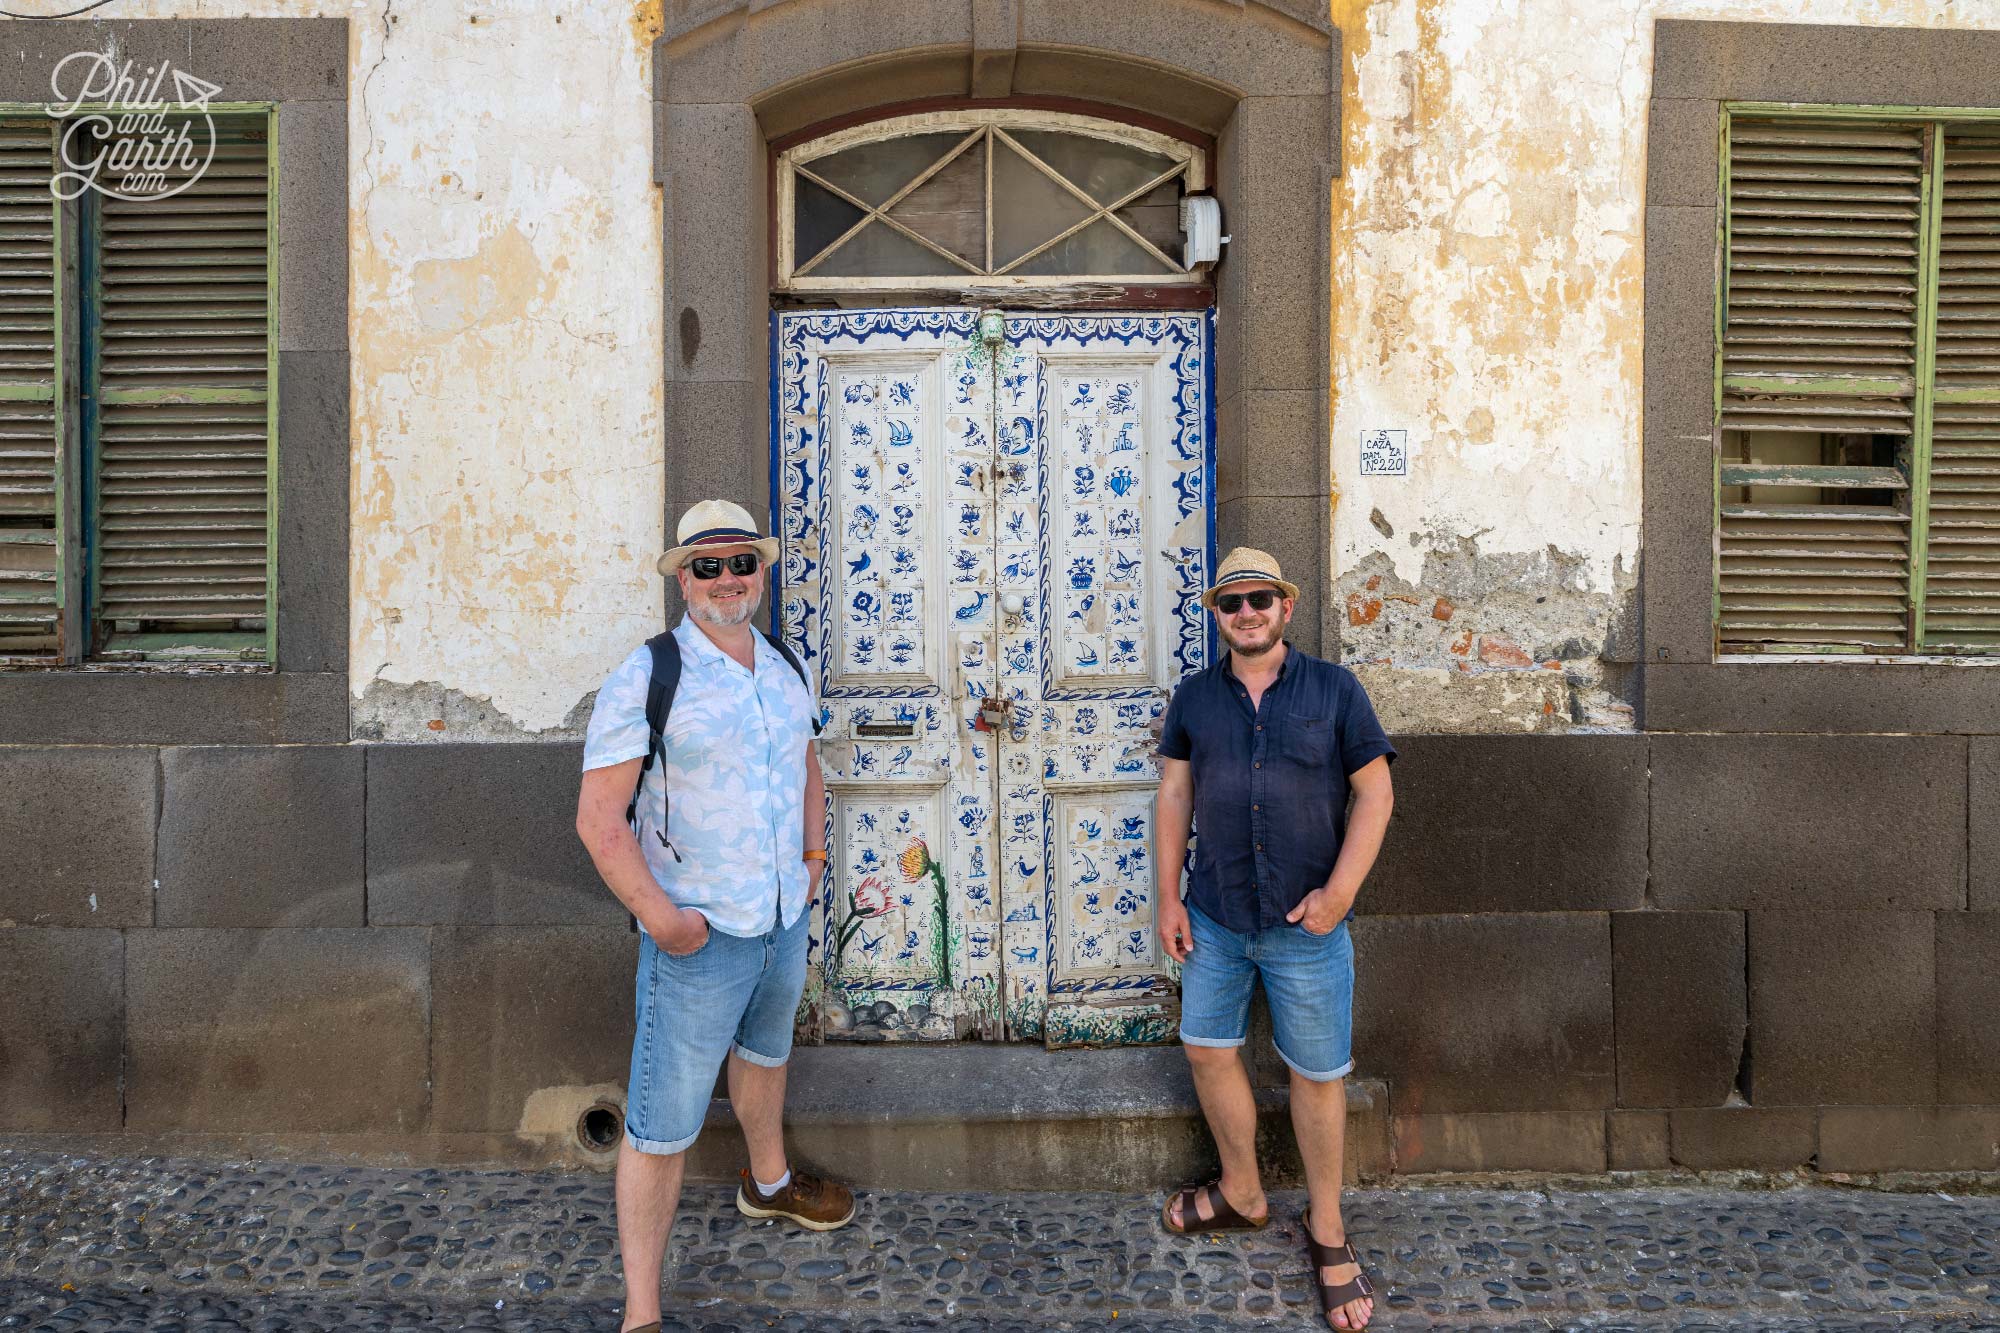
[{"x": 822, "y": 1205}]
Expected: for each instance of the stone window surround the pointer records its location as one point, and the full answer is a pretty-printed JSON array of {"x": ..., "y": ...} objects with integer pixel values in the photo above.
[
  {"x": 1262, "y": 77},
  {"x": 300, "y": 64},
  {"x": 1698, "y": 65}
]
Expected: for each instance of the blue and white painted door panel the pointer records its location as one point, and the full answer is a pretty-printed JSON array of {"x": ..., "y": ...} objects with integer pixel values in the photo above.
[
  {"x": 882, "y": 471},
  {"x": 1020, "y": 522},
  {"x": 1119, "y": 484}
]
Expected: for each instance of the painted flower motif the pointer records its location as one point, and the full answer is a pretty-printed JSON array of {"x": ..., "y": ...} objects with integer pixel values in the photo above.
[
  {"x": 871, "y": 896},
  {"x": 915, "y": 860}
]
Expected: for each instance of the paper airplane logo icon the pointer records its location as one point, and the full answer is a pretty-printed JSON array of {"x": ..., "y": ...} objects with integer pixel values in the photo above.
[{"x": 193, "y": 93}]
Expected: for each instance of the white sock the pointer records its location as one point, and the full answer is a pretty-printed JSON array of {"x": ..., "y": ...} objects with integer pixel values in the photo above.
[{"x": 768, "y": 1190}]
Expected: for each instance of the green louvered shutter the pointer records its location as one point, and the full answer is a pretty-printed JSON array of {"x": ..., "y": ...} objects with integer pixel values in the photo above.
[
  {"x": 30, "y": 591},
  {"x": 1819, "y": 355},
  {"x": 181, "y": 430},
  {"x": 1962, "y": 583}
]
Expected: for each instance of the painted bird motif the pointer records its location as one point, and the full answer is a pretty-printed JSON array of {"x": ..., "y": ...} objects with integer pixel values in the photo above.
[{"x": 858, "y": 566}]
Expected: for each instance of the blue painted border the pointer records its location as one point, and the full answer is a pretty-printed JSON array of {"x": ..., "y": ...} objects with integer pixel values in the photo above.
[
  {"x": 776, "y": 515},
  {"x": 1208, "y": 465}
]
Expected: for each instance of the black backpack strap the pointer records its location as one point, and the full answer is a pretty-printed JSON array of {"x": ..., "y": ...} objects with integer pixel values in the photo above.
[
  {"x": 660, "y": 687},
  {"x": 797, "y": 666}
]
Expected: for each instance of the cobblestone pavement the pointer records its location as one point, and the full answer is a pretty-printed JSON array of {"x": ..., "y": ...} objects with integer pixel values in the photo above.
[{"x": 162, "y": 1244}]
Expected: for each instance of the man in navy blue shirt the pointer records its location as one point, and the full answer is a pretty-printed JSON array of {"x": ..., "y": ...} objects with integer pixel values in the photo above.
[{"x": 1261, "y": 752}]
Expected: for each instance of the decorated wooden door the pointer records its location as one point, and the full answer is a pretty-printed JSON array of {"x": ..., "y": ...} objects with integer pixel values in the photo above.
[{"x": 995, "y": 531}]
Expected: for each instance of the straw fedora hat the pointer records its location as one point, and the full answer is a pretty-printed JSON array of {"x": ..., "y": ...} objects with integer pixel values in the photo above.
[
  {"x": 1247, "y": 564},
  {"x": 716, "y": 523}
]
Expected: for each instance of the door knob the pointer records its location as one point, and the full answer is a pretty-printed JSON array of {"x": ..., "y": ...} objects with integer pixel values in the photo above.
[{"x": 1013, "y": 603}]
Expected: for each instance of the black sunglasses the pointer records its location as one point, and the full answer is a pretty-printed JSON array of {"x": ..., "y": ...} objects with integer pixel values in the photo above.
[
  {"x": 1229, "y": 603},
  {"x": 705, "y": 567}
]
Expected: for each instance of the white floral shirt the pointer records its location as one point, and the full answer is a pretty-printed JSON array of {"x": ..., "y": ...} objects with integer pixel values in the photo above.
[{"x": 736, "y": 768}]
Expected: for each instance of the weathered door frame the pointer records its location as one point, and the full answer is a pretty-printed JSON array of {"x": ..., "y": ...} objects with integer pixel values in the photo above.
[{"x": 1262, "y": 79}]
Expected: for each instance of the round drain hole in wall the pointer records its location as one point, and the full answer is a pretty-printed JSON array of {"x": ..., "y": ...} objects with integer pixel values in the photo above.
[{"x": 600, "y": 1127}]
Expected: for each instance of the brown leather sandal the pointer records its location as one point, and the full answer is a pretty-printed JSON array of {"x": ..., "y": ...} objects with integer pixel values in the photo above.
[
  {"x": 1334, "y": 1295},
  {"x": 1193, "y": 1223}
]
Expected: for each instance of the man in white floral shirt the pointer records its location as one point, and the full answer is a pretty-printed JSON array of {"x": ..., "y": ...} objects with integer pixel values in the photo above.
[{"x": 719, "y": 873}]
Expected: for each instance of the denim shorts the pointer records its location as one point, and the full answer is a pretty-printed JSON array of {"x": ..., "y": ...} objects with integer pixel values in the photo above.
[
  {"x": 734, "y": 993},
  {"x": 1308, "y": 979}
]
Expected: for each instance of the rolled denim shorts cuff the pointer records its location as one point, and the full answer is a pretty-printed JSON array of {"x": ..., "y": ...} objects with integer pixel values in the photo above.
[
  {"x": 761, "y": 1061},
  {"x": 1220, "y": 1043},
  {"x": 1314, "y": 1076},
  {"x": 657, "y": 1148}
]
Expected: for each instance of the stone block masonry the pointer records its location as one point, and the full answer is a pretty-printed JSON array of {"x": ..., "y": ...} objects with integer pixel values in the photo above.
[{"x": 1582, "y": 954}]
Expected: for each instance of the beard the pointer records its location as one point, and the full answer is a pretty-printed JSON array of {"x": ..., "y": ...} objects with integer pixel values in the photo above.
[
  {"x": 730, "y": 616},
  {"x": 1254, "y": 642}
]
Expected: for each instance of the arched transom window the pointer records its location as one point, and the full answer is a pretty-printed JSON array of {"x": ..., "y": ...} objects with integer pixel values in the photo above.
[{"x": 997, "y": 198}]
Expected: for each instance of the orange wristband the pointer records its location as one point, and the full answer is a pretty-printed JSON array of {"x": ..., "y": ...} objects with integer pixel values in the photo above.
[{"x": 815, "y": 854}]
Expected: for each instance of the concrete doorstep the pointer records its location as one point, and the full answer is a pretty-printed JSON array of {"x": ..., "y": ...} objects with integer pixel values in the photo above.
[
  {"x": 541, "y": 1246},
  {"x": 1021, "y": 1118}
]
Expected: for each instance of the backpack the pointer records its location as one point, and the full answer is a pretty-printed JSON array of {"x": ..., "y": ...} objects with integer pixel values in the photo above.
[{"x": 660, "y": 689}]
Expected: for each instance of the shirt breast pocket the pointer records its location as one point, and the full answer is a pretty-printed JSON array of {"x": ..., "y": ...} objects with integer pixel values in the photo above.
[{"x": 1307, "y": 741}]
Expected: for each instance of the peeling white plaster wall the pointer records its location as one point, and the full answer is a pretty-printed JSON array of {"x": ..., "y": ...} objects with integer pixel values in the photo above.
[
  {"x": 506, "y": 337},
  {"x": 1487, "y": 288},
  {"x": 508, "y": 439}
]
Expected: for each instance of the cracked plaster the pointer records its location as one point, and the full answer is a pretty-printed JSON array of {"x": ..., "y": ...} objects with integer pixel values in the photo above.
[{"x": 1488, "y": 245}]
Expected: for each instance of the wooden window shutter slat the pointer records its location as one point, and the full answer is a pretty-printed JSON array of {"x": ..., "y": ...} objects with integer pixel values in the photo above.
[
  {"x": 1818, "y": 400},
  {"x": 30, "y": 438},
  {"x": 181, "y": 424},
  {"x": 1962, "y": 573}
]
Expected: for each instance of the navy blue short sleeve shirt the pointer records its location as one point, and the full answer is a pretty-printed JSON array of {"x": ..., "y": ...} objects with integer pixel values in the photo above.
[{"x": 1270, "y": 787}]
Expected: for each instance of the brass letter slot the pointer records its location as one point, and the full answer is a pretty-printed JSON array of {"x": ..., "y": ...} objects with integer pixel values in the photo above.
[{"x": 885, "y": 729}]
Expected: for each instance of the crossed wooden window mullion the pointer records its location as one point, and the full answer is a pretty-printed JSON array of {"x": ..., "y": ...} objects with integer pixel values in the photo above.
[
  {"x": 880, "y": 213},
  {"x": 1108, "y": 211}
]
